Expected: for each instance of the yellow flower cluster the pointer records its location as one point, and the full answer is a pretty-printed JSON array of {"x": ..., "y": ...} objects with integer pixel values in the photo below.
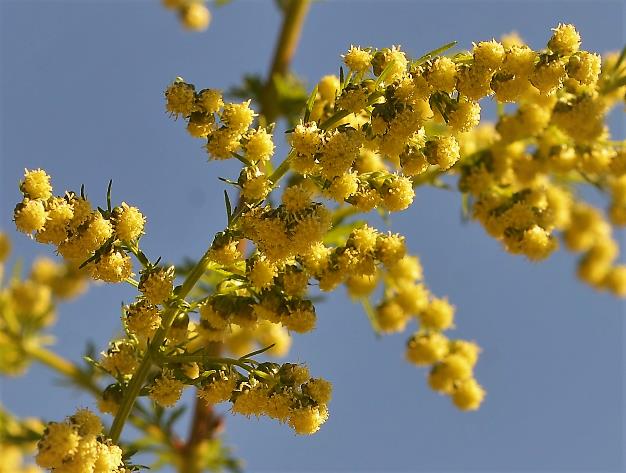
[
  {"x": 194, "y": 14},
  {"x": 286, "y": 393},
  {"x": 28, "y": 306},
  {"x": 166, "y": 389},
  {"x": 13, "y": 461},
  {"x": 365, "y": 142},
  {"x": 351, "y": 163},
  {"x": 242, "y": 340},
  {"x": 520, "y": 175},
  {"x": 78, "y": 446},
  {"x": 16, "y": 455},
  {"x": 78, "y": 232},
  {"x": 226, "y": 127}
]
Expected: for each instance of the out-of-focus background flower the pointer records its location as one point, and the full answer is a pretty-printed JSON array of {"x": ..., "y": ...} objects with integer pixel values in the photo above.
[{"x": 82, "y": 96}]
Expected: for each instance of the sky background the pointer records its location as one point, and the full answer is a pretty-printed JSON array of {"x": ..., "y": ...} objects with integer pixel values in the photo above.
[{"x": 82, "y": 96}]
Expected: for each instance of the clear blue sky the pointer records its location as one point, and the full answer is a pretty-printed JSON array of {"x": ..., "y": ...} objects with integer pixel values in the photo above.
[{"x": 81, "y": 96}]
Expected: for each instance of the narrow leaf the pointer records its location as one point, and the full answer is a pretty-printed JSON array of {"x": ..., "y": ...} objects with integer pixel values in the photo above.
[
  {"x": 229, "y": 209},
  {"x": 257, "y": 352},
  {"x": 309, "y": 104},
  {"x": 109, "y": 195},
  {"x": 434, "y": 52}
]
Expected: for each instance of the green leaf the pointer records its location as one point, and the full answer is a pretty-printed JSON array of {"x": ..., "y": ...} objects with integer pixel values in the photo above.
[
  {"x": 256, "y": 352},
  {"x": 339, "y": 233},
  {"x": 229, "y": 209},
  {"x": 309, "y": 104},
  {"x": 241, "y": 158},
  {"x": 229, "y": 181},
  {"x": 109, "y": 195},
  {"x": 429, "y": 55}
]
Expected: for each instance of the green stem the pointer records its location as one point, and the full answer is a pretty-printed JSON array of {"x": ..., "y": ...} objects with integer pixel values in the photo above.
[
  {"x": 141, "y": 257},
  {"x": 64, "y": 367},
  {"x": 281, "y": 170},
  {"x": 208, "y": 360},
  {"x": 136, "y": 383},
  {"x": 68, "y": 369},
  {"x": 293, "y": 21}
]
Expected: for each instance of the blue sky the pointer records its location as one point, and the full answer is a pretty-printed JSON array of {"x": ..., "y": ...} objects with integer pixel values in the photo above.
[{"x": 81, "y": 96}]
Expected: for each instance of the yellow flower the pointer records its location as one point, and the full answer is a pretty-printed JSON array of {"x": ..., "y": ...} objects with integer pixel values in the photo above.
[
  {"x": 397, "y": 193},
  {"x": 114, "y": 266},
  {"x": 357, "y": 59},
  {"x": 426, "y": 349},
  {"x": 468, "y": 395},
  {"x": 238, "y": 116},
  {"x": 195, "y": 16},
  {"x": 468, "y": 350},
  {"x": 465, "y": 116},
  {"x": 327, "y": 87},
  {"x": 128, "y": 222},
  {"x": 259, "y": 146},
  {"x": 142, "y": 320},
  {"x": 36, "y": 184},
  {"x": 166, "y": 389},
  {"x": 180, "y": 98},
  {"x": 156, "y": 284},
  {"x": 30, "y": 216},
  {"x": 60, "y": 440},
  {"x": 585, "y": 67},
  {"x": 441, "y": 75},
  {"x": 319, "y": 390},
  {"x": 218, "y": 388},
  {"x": 391, "y": 317},
  {"x": 209, "y": 100},
  {"x": 443, "y": 151},
  {"x": 262, "y": 273},
  {"x": 308, "y": 420},
  {"x": 438, "y": 315},
  {"x": 488, "y": 54},
  {"x": 452, "y": 369},
  {"x": 251, "y": 401},
  {"x": 615, "y": 280},
  {"x": 548, "y": 76},
  {"x": 565, "y": 40}
]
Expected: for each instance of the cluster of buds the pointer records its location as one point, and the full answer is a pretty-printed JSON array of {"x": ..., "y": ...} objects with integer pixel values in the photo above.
[
  {"x": 225, "y": 126},
  {"x": 519, "y": 174},
  {"x": 77, "y": 445},
  {"x": 286, "y": 393},
  {"x": 80, "y": 234},
  {"x": 28, "y": 306}
]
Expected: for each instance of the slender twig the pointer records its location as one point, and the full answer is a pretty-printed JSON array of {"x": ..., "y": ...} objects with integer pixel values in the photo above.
[
  {"x": 206, "y": 422},
  {"x": 293, "y": 21}
]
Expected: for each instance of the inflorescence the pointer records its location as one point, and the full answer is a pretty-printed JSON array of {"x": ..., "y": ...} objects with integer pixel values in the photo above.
[{"x": 366, "y": 141}]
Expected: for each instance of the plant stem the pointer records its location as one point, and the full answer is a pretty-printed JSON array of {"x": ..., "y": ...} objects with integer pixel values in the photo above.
[
  {"x": 138, "y": 379},
  {"x": 293, "y": 21},
  {"x": 206, "y": 425},
  {"x": 64, "y": 367},
  {"x": 68, "y": 369}
]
